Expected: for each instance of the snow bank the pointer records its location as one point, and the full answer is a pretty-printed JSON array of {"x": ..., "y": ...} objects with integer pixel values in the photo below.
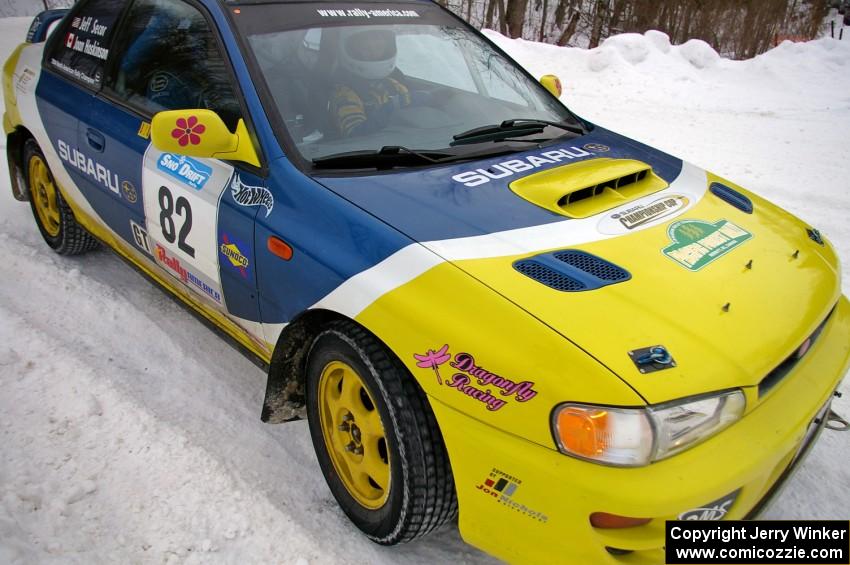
[{"x": 131, "y": 435}]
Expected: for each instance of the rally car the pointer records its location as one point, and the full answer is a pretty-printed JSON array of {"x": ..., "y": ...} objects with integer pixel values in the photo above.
[{"x": 487, "y": 307}]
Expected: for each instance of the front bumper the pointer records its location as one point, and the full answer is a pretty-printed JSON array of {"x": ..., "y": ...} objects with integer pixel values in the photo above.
[{"x": 524, "y": 503}]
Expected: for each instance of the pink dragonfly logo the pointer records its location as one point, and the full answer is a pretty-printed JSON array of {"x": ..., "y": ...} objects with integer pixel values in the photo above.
[{"x": 433, "y": 359}]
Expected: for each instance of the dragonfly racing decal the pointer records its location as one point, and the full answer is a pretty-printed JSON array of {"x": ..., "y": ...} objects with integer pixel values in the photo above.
[
  {"x": 88, "y": 166},
  {"x": 697, "y": 243},
  {"x": 185, "y": 169},
  {"x": 467, "y": 370},
  {"x": 246, "y": 195}
]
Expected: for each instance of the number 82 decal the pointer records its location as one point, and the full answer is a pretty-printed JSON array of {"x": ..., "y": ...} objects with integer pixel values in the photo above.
[{"x": 168, "y": 209}]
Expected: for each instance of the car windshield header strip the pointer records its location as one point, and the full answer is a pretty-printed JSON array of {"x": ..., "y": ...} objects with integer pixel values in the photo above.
[{"x": 281, "y": 17}]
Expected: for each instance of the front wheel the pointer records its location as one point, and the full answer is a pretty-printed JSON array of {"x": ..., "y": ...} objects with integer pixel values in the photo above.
[
  {"x": 52, "y": 214},
  {"x": 376, "y": 438}
]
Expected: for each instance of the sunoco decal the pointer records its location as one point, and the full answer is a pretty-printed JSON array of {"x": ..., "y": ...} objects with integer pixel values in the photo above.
[
  {"x": 502, "y": 487},
  {"x": 697, "y": 243},
  {"x": 185, "y": 169},
  {"x": 495, "y": 390},
  {"x": 246, "y": 195},
  {"x": 231, "y": 251}
]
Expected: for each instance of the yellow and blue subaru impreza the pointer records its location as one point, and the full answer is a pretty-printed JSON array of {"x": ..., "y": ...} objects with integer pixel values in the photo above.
[{"x": 488, "y": 308}]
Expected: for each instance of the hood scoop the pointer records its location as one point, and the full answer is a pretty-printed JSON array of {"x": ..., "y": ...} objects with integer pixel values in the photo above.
[
  {"x": 571, "y": 270},
  {"x": 590, "y": 187}
]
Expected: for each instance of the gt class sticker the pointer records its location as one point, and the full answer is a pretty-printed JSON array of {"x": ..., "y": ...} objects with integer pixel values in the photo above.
[
  {"x": 467, "y": 370},
  {"x": 697, "y": 243}
]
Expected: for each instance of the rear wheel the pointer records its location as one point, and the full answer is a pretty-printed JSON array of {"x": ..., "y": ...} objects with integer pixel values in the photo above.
[
  {"x": 376, "y": 438},
  {"x": 53, "y": 216}
]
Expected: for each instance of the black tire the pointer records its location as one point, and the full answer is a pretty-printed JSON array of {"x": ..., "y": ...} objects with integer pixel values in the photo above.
[
  {"x": 67, "y": 237},
  {"x": 421, "y": 493}
]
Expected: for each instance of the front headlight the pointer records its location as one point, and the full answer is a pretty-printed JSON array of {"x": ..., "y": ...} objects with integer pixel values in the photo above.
[{"x": 631, "y": 437}]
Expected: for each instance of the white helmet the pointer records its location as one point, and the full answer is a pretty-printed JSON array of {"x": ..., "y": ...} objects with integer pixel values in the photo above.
[{"x": 367, "y": 51}]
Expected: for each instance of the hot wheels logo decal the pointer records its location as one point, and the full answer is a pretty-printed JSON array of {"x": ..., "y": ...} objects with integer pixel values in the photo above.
[
  {"x": 185, "y": 169},
  {"x": 469, "y": 374},
  {"x": 246, "y": 195}
]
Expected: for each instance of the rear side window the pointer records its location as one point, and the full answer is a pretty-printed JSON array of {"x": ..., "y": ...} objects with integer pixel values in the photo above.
[
  {"x": 168, "y": 58},
  {"x": 80, "y": 47}
]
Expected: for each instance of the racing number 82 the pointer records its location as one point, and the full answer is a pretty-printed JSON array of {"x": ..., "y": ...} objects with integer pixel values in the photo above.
[{"x": 167, "y": 210}]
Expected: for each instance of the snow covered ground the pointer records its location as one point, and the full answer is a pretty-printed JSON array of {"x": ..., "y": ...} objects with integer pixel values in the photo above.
[{"x": 131, "y": 433}]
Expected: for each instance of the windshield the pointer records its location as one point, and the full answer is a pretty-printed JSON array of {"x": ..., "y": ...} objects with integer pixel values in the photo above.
[{"x": 374, "y": 75}]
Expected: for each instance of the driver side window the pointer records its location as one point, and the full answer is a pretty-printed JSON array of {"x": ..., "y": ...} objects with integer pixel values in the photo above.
[{"x": 169, "y": 60}]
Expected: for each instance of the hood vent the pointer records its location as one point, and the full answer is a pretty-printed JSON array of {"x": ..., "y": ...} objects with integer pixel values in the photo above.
[
  {"x": 590, "y": 187},
  {"x": 732, "y": 196},
  {"x": 571, "y": 270}
]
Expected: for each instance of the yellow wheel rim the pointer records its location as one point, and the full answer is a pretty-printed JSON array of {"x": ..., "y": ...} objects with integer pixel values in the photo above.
[
  {"x": 354, "y": 435},
  {"x": 44, "y": 196}
]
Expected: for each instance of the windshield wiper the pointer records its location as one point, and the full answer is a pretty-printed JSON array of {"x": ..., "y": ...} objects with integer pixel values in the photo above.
[
  {"x": 509, "y": 129},
  {"x": 386, "y": 157}
]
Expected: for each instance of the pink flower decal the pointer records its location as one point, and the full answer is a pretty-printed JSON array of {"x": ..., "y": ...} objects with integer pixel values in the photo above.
[
  {"x": 433, "y": 359},
  {"x": 188, "y": 131}
]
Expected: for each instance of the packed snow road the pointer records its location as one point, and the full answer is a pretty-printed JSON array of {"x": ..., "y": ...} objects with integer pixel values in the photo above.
[{"x": 131, "y": 433}]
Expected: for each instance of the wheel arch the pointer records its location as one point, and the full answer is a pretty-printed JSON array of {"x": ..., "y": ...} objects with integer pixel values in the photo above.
[
  {"x": 15, "y": 142},
  {"x": 285, "y": 398}
]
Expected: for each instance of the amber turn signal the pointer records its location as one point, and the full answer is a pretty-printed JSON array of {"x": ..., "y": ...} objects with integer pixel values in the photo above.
[
  {"x": 612, "y": 521},
  {"x": 583, "y": 431},
  {"x": 280, "y": 248}
]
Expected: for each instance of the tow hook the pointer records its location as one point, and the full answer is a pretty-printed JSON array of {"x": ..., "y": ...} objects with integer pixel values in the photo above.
[{"x": 836, "y": 422}]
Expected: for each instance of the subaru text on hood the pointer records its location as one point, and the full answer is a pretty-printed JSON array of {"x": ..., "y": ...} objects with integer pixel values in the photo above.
[{"x": 488, "y": 308}]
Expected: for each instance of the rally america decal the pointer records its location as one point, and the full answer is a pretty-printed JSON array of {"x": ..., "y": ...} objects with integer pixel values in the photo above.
[
  {"x": 466, "y": 370},
  {"x": 246, "y": 195}
]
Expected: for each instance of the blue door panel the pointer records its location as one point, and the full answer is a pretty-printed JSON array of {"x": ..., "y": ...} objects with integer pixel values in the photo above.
[
  {"x": 104, "y": 181},
  {"x": 236, "y": 256},
  {"x": 122, "y": 152}
]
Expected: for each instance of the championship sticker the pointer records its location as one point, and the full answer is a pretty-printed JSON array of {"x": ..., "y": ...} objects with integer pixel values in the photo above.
[
  {"x": 635, "y": 215},
  {"x": 697, "y": 243}
]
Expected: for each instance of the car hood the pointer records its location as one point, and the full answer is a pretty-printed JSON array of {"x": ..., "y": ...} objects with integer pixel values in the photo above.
[{"x": 659, "y": 253}]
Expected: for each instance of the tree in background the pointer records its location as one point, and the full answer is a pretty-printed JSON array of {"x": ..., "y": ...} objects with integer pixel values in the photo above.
[{"x": 735, "y": 28}]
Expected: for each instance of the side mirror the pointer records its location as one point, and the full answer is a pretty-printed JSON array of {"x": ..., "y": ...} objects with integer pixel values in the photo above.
[
  {"x": 201, "y": 133},
  {"x": 552, "y": 83}
]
